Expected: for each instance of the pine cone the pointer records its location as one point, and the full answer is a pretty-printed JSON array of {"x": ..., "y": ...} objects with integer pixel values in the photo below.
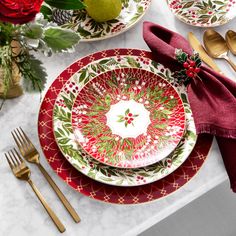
[{"x": 62, "y": 17}]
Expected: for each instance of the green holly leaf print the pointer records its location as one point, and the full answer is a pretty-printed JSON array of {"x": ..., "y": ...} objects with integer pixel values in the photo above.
[
  {"x": 167, "y": 112},
  {"x": 160, "y": 126},
  {"x": 121, "y": 119},
  {"x": 108, "y": 99},
  {"x": 127, "y": 112}
]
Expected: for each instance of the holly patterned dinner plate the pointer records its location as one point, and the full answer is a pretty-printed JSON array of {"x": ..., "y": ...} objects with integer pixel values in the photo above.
[
  {"x": 128, "y": 118},
  {"x": 85, "y": 184},
  {"x": 204, "y": 13},
  {"x": 88, "y": 68},
  {"x": 90, "y": 30}
]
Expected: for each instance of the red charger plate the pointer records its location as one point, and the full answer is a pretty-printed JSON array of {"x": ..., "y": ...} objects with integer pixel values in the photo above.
[{"x": 94, "y": 189}]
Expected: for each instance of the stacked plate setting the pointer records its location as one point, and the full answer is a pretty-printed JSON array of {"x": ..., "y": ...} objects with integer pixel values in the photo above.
[
  {"x": 122, "y": 121},
  {"x": 117, "y": 127}
]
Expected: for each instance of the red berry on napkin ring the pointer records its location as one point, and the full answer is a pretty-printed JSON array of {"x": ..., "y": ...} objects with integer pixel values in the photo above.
[
  {"x": 185, "y": 65},
  {"x": 191, "y": 66},
  {"x": 192, "y": 63}
]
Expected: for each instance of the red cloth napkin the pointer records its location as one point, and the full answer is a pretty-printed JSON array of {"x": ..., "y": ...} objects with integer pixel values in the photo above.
[{"x": 212, "y": 99}]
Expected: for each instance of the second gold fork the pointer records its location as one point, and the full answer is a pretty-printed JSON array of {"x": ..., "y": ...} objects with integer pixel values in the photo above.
[
  {"x": 30, "y": 153},
  {"x": 22, "y": 172}
]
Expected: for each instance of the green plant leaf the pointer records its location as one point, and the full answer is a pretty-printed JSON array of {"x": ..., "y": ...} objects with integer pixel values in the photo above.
[
  {"x": 66, "y": 4},
  {"x": 46, "y": 11},
  {"x": 33, "y": 31},
  {"x": 33, "y": 72},
  {"x": 59, "y": 39}
]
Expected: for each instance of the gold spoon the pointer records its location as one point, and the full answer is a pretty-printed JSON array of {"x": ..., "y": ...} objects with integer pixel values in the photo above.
[
  {"x": 216, "y": 46},
  {"x": 231, "y": 41}
]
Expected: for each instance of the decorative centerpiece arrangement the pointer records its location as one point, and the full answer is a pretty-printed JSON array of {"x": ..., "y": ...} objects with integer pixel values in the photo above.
[{"x": 24, "y": 30}]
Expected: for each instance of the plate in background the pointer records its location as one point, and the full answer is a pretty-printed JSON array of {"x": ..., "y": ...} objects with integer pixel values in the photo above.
[
  {"x": 203, "y": 13},
  {"x": 90, "y": 30}
]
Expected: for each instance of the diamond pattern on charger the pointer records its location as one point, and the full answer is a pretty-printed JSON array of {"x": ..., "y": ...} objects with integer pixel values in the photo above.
[
  {"x": 51, "y": 159},
  {"x": 79, "y": 188},
  {"x": 136, "y": 200},
  {"x": 92, "y": 194},
  {"x": 176, "y": 185},
  {"x": 121, "y": 200},
  {"x": 68, "y": 179},
  {"x": 43, "y": 136},
  {"x": 163, "y": 192}
]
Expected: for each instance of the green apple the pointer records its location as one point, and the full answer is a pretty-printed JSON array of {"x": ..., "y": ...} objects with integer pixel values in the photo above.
[{"x": 103, "y": 10}]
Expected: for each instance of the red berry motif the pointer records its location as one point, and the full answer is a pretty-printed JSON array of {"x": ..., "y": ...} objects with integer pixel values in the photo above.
[
  {"x": 128, "y": 118},
  {"x": 191, "y": 69},
  {"x": 192, "y": 63},
  {"x": 191, "y": 75},
  {"x": 185, "y": 65}
]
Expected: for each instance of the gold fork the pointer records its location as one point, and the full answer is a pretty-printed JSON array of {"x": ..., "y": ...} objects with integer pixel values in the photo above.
[
  {"x": 22, "y": 172},
  {"x": 30, "y": 153}
]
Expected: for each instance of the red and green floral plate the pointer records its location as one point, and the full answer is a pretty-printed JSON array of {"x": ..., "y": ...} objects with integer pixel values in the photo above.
[
  {"x": 203, "y": 13},
  {"x": 89, "y": 68},
  {"x": 90, "y": 30},
  {"x": 90, "y": 187},
  {"x": 128, "y": 118}
]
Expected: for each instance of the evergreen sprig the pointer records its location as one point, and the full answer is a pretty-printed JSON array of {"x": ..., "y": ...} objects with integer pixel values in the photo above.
[
  {"x": 6, "y": 66},
  {"x": 32, "y": 71},
  {"x": 39, "y": 36}
]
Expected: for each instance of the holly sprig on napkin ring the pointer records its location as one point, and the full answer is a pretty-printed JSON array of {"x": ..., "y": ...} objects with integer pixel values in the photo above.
[{"x": 191, "y": 66}]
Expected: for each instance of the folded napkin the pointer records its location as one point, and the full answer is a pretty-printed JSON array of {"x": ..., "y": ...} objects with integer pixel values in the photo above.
[{"x": 212, "y": 97}]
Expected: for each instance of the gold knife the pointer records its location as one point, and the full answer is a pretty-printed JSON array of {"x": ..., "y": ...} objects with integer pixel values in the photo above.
[{"x": 196, "y": 45}]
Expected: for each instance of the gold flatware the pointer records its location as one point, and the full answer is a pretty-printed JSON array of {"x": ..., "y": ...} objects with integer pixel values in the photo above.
[
  {"x": 30, "y": 153},
  {"x": 22, "y": 172},
  {"x": 230, "y": 37},
  {"x": 197, "y": 46},
  {"x": 216, "y": 46}
]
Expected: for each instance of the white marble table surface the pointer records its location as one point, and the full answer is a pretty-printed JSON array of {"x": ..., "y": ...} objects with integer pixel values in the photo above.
[{"x": 20, "y": 211}]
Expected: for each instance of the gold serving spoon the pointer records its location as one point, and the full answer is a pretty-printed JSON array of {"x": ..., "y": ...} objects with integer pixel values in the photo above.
[
  {"x": 216, "y": 46},
  {"x": 231, "y": 41}
]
